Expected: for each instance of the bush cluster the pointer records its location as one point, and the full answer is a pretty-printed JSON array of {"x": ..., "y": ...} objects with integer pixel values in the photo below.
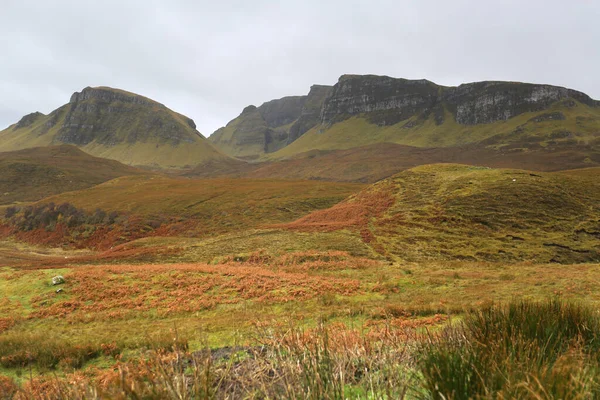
[{"x": 49, "y": 215}]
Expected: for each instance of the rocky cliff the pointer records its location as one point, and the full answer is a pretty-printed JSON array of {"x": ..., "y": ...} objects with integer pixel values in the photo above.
[
  {"x": 118, "y": 125},
  {"x": 388, "y": 101},
  {"x": 367, "y": 109},
  {"x": 272, "y": 126},
  {"x": 310, "y": 115}
]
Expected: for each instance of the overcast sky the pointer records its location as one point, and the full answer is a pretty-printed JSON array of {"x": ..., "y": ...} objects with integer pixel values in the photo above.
[{"x": 210, "y": 59}]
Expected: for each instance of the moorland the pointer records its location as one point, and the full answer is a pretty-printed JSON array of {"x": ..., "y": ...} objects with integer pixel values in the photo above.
[{"x": 320, "y": 246}]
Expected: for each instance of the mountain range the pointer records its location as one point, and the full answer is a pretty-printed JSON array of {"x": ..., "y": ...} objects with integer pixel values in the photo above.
[
  {"x": 367, "y": 126},
  {"x": 364, "y": 110}
]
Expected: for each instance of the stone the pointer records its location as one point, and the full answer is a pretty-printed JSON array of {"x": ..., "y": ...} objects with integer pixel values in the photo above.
[{"x": 58, "y": 280}]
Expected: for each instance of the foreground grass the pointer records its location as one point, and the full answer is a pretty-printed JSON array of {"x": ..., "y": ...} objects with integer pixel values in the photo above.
[{"x": 523, "y": 349}]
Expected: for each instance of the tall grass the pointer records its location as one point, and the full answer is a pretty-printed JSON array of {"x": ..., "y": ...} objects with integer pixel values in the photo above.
[
  {"x": 323, "y": 363},
  {"x": 48, "y": 351},
  {"x": 521, "y": 350}
]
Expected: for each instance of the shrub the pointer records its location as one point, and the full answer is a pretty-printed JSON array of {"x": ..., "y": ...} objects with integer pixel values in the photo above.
[{"x": 524, "y": 349}]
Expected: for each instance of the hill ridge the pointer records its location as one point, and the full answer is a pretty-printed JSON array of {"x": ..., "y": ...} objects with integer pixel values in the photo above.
[
  {"x": 377, "y": 108},
  {"x": 115, "y": 124}
]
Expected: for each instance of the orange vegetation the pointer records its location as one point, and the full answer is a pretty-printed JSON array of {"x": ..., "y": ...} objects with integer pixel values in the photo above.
[
  {"x": 353, "y": 213},
  {"x": 111, "y": 291}
]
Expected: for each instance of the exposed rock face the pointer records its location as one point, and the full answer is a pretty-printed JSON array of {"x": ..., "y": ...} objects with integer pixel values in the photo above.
[
  {"x": 28, "y": 120},
  {"x": 387, "y": 101},
  {"x": 311, "y": 111},
  {"x": 107, "y": 95},
  {"x": 415, "y": 106},
  {"x": 357, "y": 94},
  {"x": 273, "y": 125},
  {"x": 487, "y": 102},
  {"x": 99, "y": 114},
  {"x": 283, "y": 111},
  {"x": 118, "y": 125}
]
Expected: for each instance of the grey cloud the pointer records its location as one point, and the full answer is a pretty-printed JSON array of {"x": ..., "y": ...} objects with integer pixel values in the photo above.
[{"x": 209, "y": 60}]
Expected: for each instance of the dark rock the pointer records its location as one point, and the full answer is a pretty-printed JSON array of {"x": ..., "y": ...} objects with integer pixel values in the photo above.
[
  {"x": 283, "y": 111},
  {"x": 311, "y": 112},
  {"x": 554, "y": 116},
  {"x": 28, "y": 120},
  {"x": 248, "y": 109},
  {"x": 387, "y": 100},
  {"x": 382, "y": 95}
]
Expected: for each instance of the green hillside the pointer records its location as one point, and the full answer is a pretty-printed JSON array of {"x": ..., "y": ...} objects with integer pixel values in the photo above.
[
  {"x": 118, "y": 125},
  {"x": 560, "y": 125},
  {"x": 458, "y": 212}
]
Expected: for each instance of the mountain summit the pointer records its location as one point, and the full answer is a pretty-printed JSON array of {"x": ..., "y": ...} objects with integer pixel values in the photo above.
[{"x": 115, "y": 124}]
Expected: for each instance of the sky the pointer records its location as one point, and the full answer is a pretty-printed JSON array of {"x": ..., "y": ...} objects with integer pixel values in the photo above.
[{"x": 209, "y": 59}]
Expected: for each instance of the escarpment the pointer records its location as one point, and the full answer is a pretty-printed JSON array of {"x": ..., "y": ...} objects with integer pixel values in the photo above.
[{"x": 368, "y": 109}]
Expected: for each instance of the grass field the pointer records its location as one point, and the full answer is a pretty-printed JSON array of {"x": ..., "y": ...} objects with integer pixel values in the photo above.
[{"x": 419, "y": 286}]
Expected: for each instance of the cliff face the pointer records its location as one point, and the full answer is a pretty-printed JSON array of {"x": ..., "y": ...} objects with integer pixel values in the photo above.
[
  {"x": 310, "y": 115},
  {"x": 111, "y": 117},
  {"x": 367, "y": 109},
  {"x": 115, "y": 124},
  {"x": 390, "y": 100},
  {"x": 272, "y": 126}
]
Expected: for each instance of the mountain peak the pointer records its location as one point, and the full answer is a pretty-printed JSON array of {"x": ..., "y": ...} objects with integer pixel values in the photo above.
[
  {"x": 116, "y": 124},
  {"x": 108, "y": 94}
]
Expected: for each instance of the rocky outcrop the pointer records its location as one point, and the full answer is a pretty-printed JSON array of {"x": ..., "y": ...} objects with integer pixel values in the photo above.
[
  {"x": 283, "y": 111},
  {"x": 384, "y": 101},
  {"x": 107, "y": 95},
  {"x": 28, "y": 120},
  {"x": 271, "y": 126},
  {"x": 311, "y": 112},
  {"x": 487, "y": 102},
  {"x": 118, "y": 125},
  {"x": 107, "y": 116},
  {"x": 387, "y": 101}
]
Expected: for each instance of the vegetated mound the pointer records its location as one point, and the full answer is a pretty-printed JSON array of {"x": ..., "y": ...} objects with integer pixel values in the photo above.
[
  {"x": 118, "y": 125},
  {"x": 32, "y": 174},
  {"x": 161, "y": 206},
  {"x": 449, "y": 211}
]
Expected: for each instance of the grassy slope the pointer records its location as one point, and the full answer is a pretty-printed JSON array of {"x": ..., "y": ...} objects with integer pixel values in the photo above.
[
  {"x": 139, "y": 141},
  {"x": 582, "y": 120},
  {"x": 32, "y": 174},
  {"x": 461, "y": 212},
  {"x": 218, "y": 205},
  {"x": 378, "y": 161}
]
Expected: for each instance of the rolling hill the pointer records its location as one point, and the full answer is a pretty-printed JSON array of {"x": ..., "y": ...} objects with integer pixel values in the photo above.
[
  {"x": 118, "y": 125},
  {"x": 373, "y": 162},
  {"x": 32, "y": 174},
  {"x": 459, "y": 212}
]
